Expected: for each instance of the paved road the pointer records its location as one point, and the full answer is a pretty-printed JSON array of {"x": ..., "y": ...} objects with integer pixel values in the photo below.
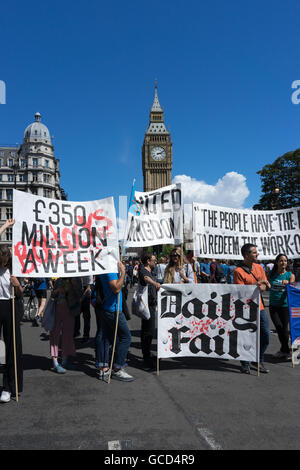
[{"x": 193, "y": 404}]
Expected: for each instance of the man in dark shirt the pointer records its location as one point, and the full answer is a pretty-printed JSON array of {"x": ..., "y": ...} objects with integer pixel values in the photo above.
[{"x": 146, "y": 277}]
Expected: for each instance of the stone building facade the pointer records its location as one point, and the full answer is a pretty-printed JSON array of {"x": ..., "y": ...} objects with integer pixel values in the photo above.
[{"x": 31, "y": 167}]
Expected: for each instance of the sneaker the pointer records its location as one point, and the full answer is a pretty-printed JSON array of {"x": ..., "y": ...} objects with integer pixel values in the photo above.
[
  {"x": 59, "y": 369},
  {"x": 245, "y": 369},
  {"x": 281, "y": 355},
  {"x": 121, "y": 375},
  {"x": 262, "y": 367},
  {"x": 5, "y": 397},
  {"x": 104, "y": 375},
  {"x": 68, "y": 365}
]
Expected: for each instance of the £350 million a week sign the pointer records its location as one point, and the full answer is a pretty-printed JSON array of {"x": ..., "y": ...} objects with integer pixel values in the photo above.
[{"x": 53, "y": 238}]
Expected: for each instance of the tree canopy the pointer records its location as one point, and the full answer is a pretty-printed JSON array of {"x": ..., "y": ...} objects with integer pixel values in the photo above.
[{"x": 280, "y": 183}]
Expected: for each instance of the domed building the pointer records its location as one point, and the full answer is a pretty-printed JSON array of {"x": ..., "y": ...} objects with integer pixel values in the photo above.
[{"x": 32, "y": 167}]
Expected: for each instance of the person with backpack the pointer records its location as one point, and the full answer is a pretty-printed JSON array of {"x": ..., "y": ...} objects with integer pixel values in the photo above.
[
  {"x": 216, "y": 273},
  {"x": 250, "y": 272},
  {"x": 278, "y": 305}
]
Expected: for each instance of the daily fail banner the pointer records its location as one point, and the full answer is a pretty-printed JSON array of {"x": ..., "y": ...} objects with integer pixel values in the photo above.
[
  {"x": 53, "y": 238},
  {"x": 208, "y": 320},
  {"x": 155, "y": 218},
  {"x": 220, "y": 232}
]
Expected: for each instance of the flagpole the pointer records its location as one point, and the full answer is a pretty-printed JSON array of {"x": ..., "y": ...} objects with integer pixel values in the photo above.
[
  {"x": 14, "y": 343},
  {"x": 119, "y": 295}
]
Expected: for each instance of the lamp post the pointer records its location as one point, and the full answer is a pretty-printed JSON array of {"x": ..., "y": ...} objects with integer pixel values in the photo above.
[{"x": 15, "y": 168}]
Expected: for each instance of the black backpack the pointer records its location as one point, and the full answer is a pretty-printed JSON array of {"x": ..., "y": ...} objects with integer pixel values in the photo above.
[{"x": 220, "y": 276}]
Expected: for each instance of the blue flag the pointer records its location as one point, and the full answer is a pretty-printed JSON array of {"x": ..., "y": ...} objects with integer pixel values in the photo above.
[
  {"x": 133, "y": 206},
  {"x": 293, "y": 296}
]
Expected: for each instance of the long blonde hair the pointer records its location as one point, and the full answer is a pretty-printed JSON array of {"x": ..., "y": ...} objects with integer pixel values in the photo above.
[{"x": 169, "y": 277}]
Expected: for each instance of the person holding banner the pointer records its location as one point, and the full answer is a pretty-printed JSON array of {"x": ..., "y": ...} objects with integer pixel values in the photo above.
[
  {"x": 249, "y": 272},
  {"x": 178, "y": 272},
  {"x": 279, "y": 310},
  {"x": 146, "y": 278},
  {"x": 112, "y": 285},
  {"x": 67, "y": 293},
  {"x": 11, "y": 381}
]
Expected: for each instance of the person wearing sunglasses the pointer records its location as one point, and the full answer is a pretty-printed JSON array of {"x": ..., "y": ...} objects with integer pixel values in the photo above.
[{"x": 178, "y": 271}]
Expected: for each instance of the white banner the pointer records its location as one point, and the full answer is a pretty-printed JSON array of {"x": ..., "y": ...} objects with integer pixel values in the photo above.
[
  {"x": 155, "y": 218},
  {"x": 220, "y": 232},
  {"x": 53, "y": 238},
  {"x": 208, "y": 320}
]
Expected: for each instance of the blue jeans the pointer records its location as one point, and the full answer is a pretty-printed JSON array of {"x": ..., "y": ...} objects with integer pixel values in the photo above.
[
  {"x": 105, "y": 337},
  {"x": 264, "y": 336}
]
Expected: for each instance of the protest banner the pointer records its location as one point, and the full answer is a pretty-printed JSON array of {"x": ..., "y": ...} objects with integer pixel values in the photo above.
[
  {"x": 220, "y": 232},
  {"x": 208, "y": 320},
  {"x": 54, "y": 238},
  {"x": 155, "y": 218}
]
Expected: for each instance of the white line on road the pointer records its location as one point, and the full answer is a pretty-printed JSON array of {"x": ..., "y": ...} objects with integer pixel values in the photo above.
[{"x": 209, "y": 438}]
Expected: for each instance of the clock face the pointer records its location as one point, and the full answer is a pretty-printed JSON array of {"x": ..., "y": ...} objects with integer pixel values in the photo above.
[{"x": 158, "y": 153}]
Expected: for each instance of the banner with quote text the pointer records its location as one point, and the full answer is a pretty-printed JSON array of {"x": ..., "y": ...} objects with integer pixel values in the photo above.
[
  {"x": 220, "y": 232},
  {"x": 54, "y": 238},
  {"x": 155, "y": 218},
  {"x": 208, "y": 320}
]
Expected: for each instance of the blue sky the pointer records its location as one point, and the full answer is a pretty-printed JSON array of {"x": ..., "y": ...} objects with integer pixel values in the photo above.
[{"x": 224, "y": 71}]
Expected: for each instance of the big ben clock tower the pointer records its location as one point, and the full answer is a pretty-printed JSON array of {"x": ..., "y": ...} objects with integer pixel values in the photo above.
[{"x": 157, "y": 150}]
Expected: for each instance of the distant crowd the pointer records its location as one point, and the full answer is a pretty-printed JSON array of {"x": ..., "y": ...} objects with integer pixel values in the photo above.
[{"x": 63, "y": 302}]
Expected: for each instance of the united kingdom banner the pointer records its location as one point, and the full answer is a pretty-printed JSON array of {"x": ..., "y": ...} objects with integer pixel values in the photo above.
[{"x": 293, "y": 295}]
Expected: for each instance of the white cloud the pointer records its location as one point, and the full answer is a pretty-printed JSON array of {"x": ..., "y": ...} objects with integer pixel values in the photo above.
[{"x": 230, "y": 191}]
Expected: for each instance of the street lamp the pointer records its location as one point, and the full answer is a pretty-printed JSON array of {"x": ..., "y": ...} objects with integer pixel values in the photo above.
[{"x": 15, "y": 168}]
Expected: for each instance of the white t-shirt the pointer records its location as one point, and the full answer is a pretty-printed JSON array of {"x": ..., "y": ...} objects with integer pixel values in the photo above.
[
  {"x": 188, "y": 271},
  {"x": 5, "y": 284}
]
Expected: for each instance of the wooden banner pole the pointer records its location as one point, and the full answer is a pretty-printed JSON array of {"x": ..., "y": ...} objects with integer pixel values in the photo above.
[
  {"x": 115, "y": 339},
  {"x": 14, "y": 342}
]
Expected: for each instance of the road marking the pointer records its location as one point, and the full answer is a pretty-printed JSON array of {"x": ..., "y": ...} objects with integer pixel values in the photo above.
[
  {"x": 119, "y": 445},
  {"x": 114, "y": 445},
  {"x": 209, "y": 438}
]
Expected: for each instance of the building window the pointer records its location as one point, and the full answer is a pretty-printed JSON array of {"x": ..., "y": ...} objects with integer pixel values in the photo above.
[
  {"x": 35, "y": 161},
  {"x": 47, "y": 163},
  {"x": 34, "y": 191},
  {"x": 2, "y": 153},
  {"x": 1, "y": 195},
  {"x": 8, "y": 234},
  {"x": 47, "y": 192},
  {"x": 0, "y": 177},
  {"x": 9, "y": 212},
  {"x": 10, "y": 178},
  {"x": 10, "y": 162},
  {"x": 23, "y": 162},
  {"x": 9, "y": 194},
  {"x": 22, "y": 178},
  {"x": 34, "y": 176}
]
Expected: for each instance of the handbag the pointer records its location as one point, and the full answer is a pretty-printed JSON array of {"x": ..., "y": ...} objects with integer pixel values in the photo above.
[
  {"x": 49, "y": 314},
  {"x": 139, "y": 305}
]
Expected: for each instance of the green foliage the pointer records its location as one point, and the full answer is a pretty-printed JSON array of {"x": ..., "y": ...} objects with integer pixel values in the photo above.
[{"x": 283, "y": 174}]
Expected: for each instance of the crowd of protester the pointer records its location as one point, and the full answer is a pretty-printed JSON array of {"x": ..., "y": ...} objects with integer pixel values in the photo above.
[{"x": 74, "y": 299}]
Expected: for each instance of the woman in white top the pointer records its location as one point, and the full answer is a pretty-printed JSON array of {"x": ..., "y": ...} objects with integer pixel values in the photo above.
[
  {"x": 178, "y": 271},
  {"x": 6, "y": 323}
]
